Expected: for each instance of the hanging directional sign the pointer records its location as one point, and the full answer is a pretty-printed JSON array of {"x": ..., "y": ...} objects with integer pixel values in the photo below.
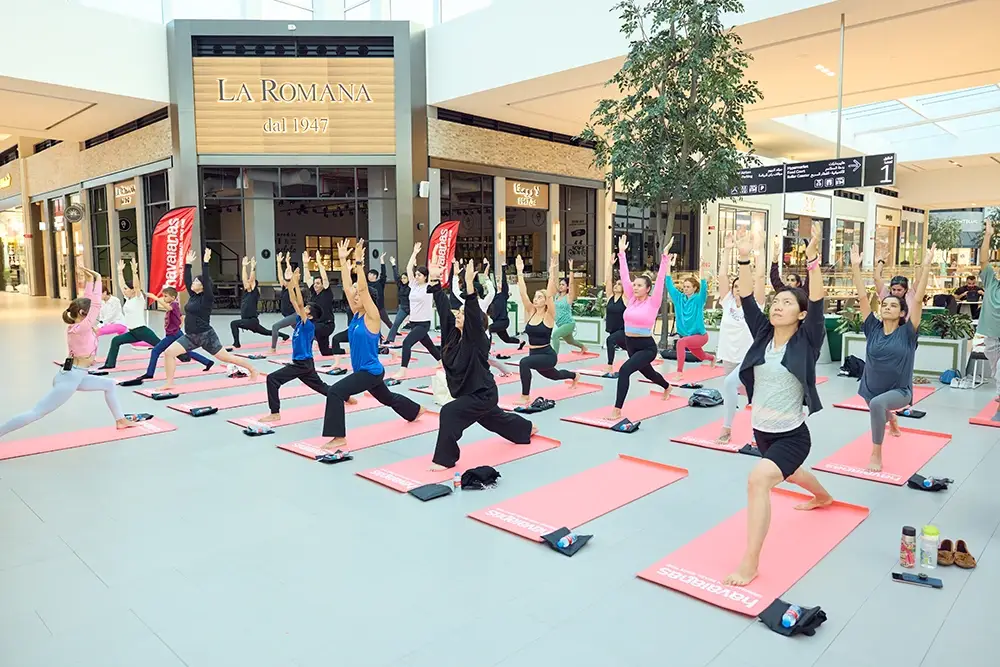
[
  {"x": 880, "y": 169},
  {"x": 760, "y": 181},
  {"x": 824, "y": 175}
]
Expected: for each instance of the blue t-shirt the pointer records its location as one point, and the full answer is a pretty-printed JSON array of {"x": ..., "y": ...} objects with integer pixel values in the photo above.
[
  {"x": 302, "y": 339},
  {"x": 364, "y": 347},
  {"x": 888, "y": 359}
]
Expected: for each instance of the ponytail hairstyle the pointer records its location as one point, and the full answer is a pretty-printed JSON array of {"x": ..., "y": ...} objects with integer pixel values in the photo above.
[{"x": 76, "y": 308}]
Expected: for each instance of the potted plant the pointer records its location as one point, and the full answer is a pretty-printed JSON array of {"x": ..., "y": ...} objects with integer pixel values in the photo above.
[
  {"x": 952, "y": 326},
  {"x": 848, "y": 322},
  {"x": 589, "y": 314}
]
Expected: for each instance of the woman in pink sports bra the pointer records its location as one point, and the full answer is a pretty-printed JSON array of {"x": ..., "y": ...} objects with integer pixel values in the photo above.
[
  {"x": 644, "y": 300},
  {"x": 81, "y": 339}
]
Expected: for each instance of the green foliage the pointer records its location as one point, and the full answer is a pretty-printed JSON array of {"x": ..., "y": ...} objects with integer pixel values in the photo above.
[
  {"x": 953, "y": 326},
  {"x": 589, "y": 306},
  {"x": 850, "y": 321},
  {"x": 713, "y": 317},
  {"x": 993, "y": 215},
  {"x": 944, "y": 232}
]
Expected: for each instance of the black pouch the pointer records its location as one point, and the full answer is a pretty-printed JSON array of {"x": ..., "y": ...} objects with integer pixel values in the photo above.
[
  {"x": 939, "y": 484},
  {"x": 333, "y": 457},
  {"x": 692, "y": 385},
  {"x": 750, "y": 450},
  {"x": 254, "y": 357},
  {"x": 610, "y": 376},
  {"x": 552, "y": 539},
  {"x": 163, "y": 395},
  {"x": 626, "y": 426},
  {"x": 97, "y": 372},
  {"x": 203, "y": 411},
  {"x": 479, "y": 478},
  {"x": 911, "y": 413},
  {"x": 139, "y": 417},
  {"x": 430, "y": 491},
  {"x": 812, "y": 618},
  {"x": 392, "y": 382},
  {"x": 538, "y": 405},
  {"x": 255, "y": 431},
  {"x": 502, "y": 356},
  {"x": 134, "y": 382},
  {"x": 338, "y": 371}
]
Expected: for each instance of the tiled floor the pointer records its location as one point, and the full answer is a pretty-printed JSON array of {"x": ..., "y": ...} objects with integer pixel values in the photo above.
[{"x": 203, "y": 547}]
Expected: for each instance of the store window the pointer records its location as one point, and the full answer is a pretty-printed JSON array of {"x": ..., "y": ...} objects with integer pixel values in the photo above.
[
  {"x": 578, "y": 228},
  {"x": 911, "y": 242},
  {"x": 156, "y": 199},
  {"x": 640, "y": 223},
  {"x": 736, "y": 221},
  {"x": 849, "y": 233},
  {"x": 13, "y": 267},
  {"x": 468, "y": 198},
  {"x": 100, "y": 238},
  {"x": 796, "y": 237}
]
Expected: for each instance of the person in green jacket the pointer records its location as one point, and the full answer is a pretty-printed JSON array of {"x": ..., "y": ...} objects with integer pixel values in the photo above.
[{"x": 565, "y": 324}]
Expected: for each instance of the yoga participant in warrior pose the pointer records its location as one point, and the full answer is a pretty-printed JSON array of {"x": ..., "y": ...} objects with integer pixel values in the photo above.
[
  {"x": 363, "y": 331},
  {"x": 689, "y": 311},
  {"x": 779, "y": 373},
  {"x": 565, "y": 324},
  {"x": 111, "y": 320},
  {"x": 288, "y": 315},
  {"x": 485, "y": 292},
  {"x": 890, "y": 347},
  {"x": 376, "y": 281},
  {"x": 302, "y": 366},
  {"x": 499, "y": 317},
  {"x": 734, "y": 334},
  {"x": 989, "y": 318},
  {"x": 465, "y": 349},
  {"x": 420, "y": 314},
  {"x": 794, "y": 279},
  {"x": 899, "y": 286},
  {"x": 135, "y": 316},
  {"x": 402, "y": 299},
  {"x": 614, "y": 313},
  {"x": 171, "y": 332},
  {"x": 643, "y": 300},
  {"x": 322, "y": 296},
  {"x": 81, "y": 341},
  {"x": 249, "y": 316},
  {"x": 541, "y": 316},
  {"x": 198, "y": 331}
]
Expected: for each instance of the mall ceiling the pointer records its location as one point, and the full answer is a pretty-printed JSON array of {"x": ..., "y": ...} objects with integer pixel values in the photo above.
[{"x": 892, "y": 49}]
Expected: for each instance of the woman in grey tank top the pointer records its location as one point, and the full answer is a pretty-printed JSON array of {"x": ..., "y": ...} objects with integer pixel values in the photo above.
[{"x": 890, "y": 347}]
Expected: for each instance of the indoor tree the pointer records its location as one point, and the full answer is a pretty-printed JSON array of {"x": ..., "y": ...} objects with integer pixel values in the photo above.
[
  {"x": 944, "y": 232},
  {"x": 675, "y": 131}
]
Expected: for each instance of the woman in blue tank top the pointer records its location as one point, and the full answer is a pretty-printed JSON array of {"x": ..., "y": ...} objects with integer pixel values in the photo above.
[{"x": 363, "y": 336}]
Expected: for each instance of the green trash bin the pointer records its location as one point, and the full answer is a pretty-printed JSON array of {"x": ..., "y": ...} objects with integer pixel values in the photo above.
[{"x": 834, "y": 338}]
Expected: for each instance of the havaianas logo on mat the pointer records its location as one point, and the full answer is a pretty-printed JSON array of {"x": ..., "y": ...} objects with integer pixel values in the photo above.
[
  {"x": 749, "y": 599},
  {"x": 864, "y": 472},
  {"x": 520, "y": 521}
]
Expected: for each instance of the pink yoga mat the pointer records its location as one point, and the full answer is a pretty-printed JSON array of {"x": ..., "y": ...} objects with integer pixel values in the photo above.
[
  {"x": 704, "y": 436},
  {"x": 636, "y": 409},
  {"x": 140, "y": 368},
  {"x": 554, "y": 391},
  {"x": 411, "y": 473},
  {"x": 692, "y": 374},
  {"x": 573, "y": 501},
  {"x": 320, "y": 359},
  {"x": 12, "y": 449},
  {"x": 796, "y": 542},
  {"x": 901, "y": 457},
  {"x": 306, "y": 413},
  {"x": 985, "y": 416},
  {"x": 367, "y": 436},
  {"x": 601, "y": 369},
  {"x": 145, "y": 355},
  {"x": 501, "y": 381},
  {"x": 287, "y": 392},
  {"x": 207, "y": 385},
  {"x": 920, "y": 392}
]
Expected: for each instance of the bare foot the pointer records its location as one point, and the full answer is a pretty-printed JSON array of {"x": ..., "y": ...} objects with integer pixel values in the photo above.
[
  {"x": 609, "y": 369},
  {"x": 273, "y": 417},
  {"x": 334, "y": 444},
  {"x": 254, "y": 374},
  {"x": 667, "y": 392},
  {"x": 274, "y": 350},
  {"x": 875, "y": 462},
  {"x": 401, "y": 375},
  {"x": 523, "y": 400},
  {"x": 420, "y": 412},
  {"x": 574, "y": 382},
  {"x": 615, "y": 415},
  {"x": 815, "y": 503},
  {"x": 723, "y": 438},
  {"x": 742, "y": 576},
  {"x": 894, "y": 427},
  {"x": 437, "y": 468},
  {"x": 583, "y": 349},
  {"x": 351, "y": 401},
  {"x": 122, "y": 424},
  {"x": 166, "y": 387},
  {"x": 534, "y": 430}
]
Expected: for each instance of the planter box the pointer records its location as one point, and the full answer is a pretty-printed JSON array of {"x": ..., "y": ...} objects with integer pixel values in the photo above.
[
  {"x": 590, "y": 330},
  {"x": 934, "y": 355}
]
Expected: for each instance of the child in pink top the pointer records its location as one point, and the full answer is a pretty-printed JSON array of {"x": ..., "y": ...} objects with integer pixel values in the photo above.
[
  {"x": 644, "y": 300},
  {"x": 81, "y": 340}
]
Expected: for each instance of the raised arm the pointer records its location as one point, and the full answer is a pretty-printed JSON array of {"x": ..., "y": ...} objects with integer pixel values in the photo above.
[
  {"x": 372, "y": 317},
  {"x": 381, "y": 273},
  {"x": 295, "y": 296},
  {"x": 984, "y": 250},
  {"x": 245, "y": 273},
  {"x": 136, "y": 278},
  {"x": 571, "y": 296},
  {"x": 475, "y": 322},
  {"x": 864, "y": 303},
  {"x": 623, "y": 268},
  {"x": 441, "y": 301},
  {"x": 923, "y": 278},
  {"x": 662, "y": 274},
  {"x": 206, "y": 280},
  {"x": 322, "y": 269},
  {"x": 552, "y": 287},
  {"x": 253, "y": 273},
  {"x": 344, "y": 255},
  {"x": 880, "y": 289},
  {"x": 760, "y": 273},
  {"x": 776, "y": 282},
  {"x": 817, "y": 290},
  {"x": 122, "y": 285},
  {"x": 395, "y": 270},
  {"x": 281, "y": 272},
  {"x": 609, "y": 278},
  {"x": 188, "y": 279},
  {"x": 306, "y": 276},
  {"x": 522, "y": 288},
  {"x": 489, "y": 291}
]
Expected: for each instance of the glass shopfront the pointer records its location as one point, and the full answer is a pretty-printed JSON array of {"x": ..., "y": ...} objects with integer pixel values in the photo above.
[
  {"x": 100, "y": 236},
  {"x": 578, "y": 228},
  {"x": 848, "y": 233},
  {"x": 13, "y": 259},
  {"x": 640, "y": 223},
  {"x": 802, "y": 210},
  {"x": 736, "y": 221},
  {"x": 66, "y": 246},
  {"x": 468, "y": 198}
]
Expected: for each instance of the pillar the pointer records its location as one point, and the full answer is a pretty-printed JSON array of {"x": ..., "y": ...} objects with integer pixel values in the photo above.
[{"x": 499, "y": 218}]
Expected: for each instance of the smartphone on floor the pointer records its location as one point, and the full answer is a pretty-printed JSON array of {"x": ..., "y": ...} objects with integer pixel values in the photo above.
[{"x": 917, "y": 579}]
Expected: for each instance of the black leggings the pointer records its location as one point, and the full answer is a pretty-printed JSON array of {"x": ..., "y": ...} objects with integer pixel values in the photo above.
[
  {"x": 641, "y": 353},
  {"x": 338, "y": 341},
  {"x": 543, "y": 360},
  {"x": 615, "y": 339},
  {"x": 304, "y": 370},
  {"x": 500, "y": 329},
  {"x": 419, "y": 333},
  {"x": 481, "y": 407},
  {"x": 356, "y": 383},
  {"x": 251, "y": 324},
  {"x": 323, "y": 332}
]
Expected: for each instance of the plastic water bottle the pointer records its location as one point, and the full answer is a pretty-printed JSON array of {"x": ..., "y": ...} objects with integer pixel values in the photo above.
[
  {"x": 928, "y": 482},
  {"x": 456, "y": 481},
  {"x": 905, "y": 413},
  {"x": 791, "y": 616},
  {"x": 566, "y": 540},
  {"x": 930, "y": 540}
]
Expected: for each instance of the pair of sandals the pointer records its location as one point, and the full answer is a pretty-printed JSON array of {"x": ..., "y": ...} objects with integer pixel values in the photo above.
[{"x": 956, "y": 554}]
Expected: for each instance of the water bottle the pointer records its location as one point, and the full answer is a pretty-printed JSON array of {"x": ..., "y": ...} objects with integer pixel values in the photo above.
[
  {"x": 566, "y": 540},
  {"x": 930, "y": 538},
  {"x": 908, "y": 548},
  {"x": 905, "y": 413},
  {"x": 457, "y": 481},
  {"x": 791, "y": 616},
  {"x": 928, "y": 482}
]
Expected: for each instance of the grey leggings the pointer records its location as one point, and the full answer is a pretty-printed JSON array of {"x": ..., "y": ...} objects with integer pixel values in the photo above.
[
  {"x": 881, "y": 406},
  {"x": 730, "y": 392},
  {"x": 64, "y": 385},
  {"x": 278, "y": 326}
]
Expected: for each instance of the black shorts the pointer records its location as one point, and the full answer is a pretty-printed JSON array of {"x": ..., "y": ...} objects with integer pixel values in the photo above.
[
  {"x": 206, "y": 340},
  {"x": 788, "y": 450}
]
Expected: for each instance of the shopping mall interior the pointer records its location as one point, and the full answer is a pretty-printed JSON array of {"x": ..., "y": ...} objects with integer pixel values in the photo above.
[{"x": 284, "y": 127}]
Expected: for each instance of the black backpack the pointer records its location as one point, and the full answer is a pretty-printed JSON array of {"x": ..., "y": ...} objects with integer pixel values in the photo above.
[
  {"x": 852, "y": 367},
  {"x": 479, "y": 478}
]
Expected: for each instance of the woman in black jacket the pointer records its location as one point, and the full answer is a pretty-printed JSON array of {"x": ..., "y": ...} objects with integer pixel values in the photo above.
[
  {"x": 499, "y": 318},
  {"x": 403, "y": 298}
]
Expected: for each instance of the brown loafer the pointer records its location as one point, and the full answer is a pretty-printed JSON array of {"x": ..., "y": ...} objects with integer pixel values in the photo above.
[
  {"x": 963, "y": 558},
  {"x": 946, "y": 553}
]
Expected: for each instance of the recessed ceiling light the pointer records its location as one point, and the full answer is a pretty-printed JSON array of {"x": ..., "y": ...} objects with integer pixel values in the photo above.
[{"x": 820, "y": 68}]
